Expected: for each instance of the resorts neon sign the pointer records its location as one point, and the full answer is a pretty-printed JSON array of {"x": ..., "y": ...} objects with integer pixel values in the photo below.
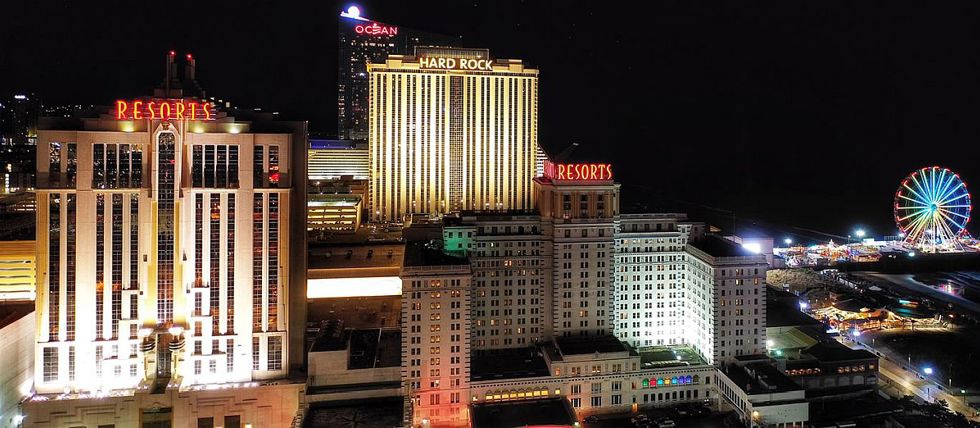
[
  {"x": 375, "y": 30},
  {"x": 456, "y": 63},
  {"x": 157, "y": 109},
  {"x": 578, "y": 171}
]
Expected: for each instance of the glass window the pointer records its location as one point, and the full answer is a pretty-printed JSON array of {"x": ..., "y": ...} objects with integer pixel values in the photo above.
[
  {"x": 258, "y": 166},
  {"x": 50, "y": 361},
  {"x": 275, "y": 353},
  {"x": 233, "y": 166}
]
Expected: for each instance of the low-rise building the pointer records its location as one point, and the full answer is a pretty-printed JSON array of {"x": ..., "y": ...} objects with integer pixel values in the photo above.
[
  {"x": 761, "y": 395},
  {"x": 354, "y": 364},
  {"x": 595, "y": 375}
]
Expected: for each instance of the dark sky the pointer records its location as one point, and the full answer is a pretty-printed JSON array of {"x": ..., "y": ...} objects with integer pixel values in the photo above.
[{"x": 796, "y": 113}]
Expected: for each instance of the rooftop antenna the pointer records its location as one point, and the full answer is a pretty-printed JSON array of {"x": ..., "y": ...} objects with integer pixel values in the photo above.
[{"x": 566, "y": 153}]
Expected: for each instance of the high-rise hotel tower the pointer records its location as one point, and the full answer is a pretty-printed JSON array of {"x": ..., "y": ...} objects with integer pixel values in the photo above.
[
  {"x": 362, "y": 41},
  {"x": 168, "y": 236},
  {"x": 450, "y": 130}
]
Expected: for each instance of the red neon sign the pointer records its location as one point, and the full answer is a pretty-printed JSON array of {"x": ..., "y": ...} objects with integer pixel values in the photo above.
[
  {"x": 157, "y": 109},
  {"x": 376, "y": 30},
  {"x": 578, "y": 171}
]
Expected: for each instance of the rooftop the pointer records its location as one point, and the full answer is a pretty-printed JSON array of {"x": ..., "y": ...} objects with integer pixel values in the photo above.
[
  {"x": 330, "y": 337},
  {"x": 791, "y": 339},
  {"x": 834, "y": 351},
  {"x": 375, "y": 348},
  {"x": 669, "y": 356},
  {"x": 783, "y": 310},
  {"x": 550, "y": 412},
  {"x": 717, "y": 246},
  {"x": 365, "y": 413},
  {"x": 590, "y": 345},
  {"x": 419, "y": 254},
  {"x": 508, "y": 364},
  {"x": 761, "y": 378},
  {"x": 356, "y": 312},
  {"x": 367, "y": 255}
]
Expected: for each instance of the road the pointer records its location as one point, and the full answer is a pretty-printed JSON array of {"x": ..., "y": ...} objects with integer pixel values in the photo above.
[{"x": 896, "y": 376}]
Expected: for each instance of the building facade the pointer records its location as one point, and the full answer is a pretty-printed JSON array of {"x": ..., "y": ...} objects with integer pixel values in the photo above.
[
  {"x": 18, "y": 270},
  {"x": 169, "y": 235},
  {"x": 435, "y": 337},
  {"x": 579, "y": 215},
  {"x": 451, "y": 130},
  {"x": 511, "y": 262},
  {"x": 335, "y": 159},
  {"x": 362, "y": 41}
]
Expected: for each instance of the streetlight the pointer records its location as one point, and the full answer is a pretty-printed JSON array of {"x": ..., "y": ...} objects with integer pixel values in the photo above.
[
  {"x": 788, "y": 241},
  {"x": 927, "y": 370},
  {"x": 859, "y": 233}
]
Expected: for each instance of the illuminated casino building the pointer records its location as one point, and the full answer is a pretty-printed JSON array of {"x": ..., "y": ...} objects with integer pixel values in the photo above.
[
  {"x": 170, "y": 240},
  {"x": 451, "y": 130},
  {"x": 363, "y": 41}
]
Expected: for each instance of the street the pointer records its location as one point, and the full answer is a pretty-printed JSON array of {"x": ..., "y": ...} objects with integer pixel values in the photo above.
[{"x": 894, "y": 376}]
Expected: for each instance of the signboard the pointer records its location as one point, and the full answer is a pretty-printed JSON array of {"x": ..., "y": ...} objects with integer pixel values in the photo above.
[
  {"x": 443, "y": 63},
  {"x": 164, "y": 109},
  {"x": 375, "y": 29},
  {"x": 578, "y": 171}
]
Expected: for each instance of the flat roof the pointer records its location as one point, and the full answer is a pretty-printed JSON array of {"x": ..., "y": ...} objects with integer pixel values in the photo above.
[
  {"x": 794, "y": 338},
  {"x": 667, "y": 356},
  {"x": 331, "y": 337},
  {"x": 761, "y": 378},
  {"x": 716, "y": 246},
  {"x": 362, "y": 312},
  {"x": 513, "y": 363},
  {"x": 579, "y": 345},
  {"x": 366, "y": 255},
  {"x": 550, "y": 412},
  {"x": 375, "y": 348},
  {"x": 420, "y": 254},
  {"x": 362, "y": 413},
  {"x": 783, "y": 310},
  {"x": 831, "y": 351}
]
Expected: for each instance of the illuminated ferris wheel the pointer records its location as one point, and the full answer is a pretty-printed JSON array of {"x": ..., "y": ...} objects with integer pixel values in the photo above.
[{"x": 932, "y": 208}]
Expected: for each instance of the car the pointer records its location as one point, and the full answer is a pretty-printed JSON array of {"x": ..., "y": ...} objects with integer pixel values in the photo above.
[
  {"x": 641, "y": 421},
  {"x": 591, "y": 419},
  {"x": 666, "y": 423}
]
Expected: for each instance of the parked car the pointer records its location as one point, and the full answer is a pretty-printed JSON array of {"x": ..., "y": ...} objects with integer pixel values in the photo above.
[
  {"x": 591, "y": 419},
  {"x": 666, "y": 423},
  {"x": 641, "y": 421}
]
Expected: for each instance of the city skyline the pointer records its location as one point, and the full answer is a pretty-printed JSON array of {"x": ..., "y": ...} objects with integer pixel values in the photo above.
[
  {"x": 735, "y": 133},
  {"x": 503, "y": 214}
]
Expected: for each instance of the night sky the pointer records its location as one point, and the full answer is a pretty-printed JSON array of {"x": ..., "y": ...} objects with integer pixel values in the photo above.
[{"x": 800, "y": 114}]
